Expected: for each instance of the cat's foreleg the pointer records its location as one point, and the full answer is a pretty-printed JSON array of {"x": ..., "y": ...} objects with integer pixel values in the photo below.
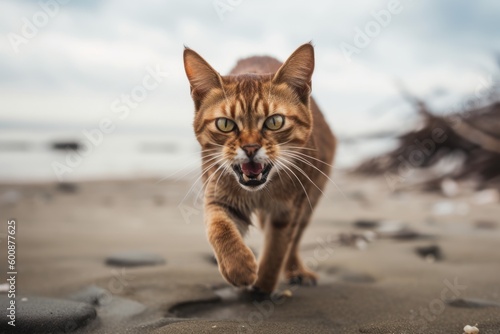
[{"x": 236, "y": 261}]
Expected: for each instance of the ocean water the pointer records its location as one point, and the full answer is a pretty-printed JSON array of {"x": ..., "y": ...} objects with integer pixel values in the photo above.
[{"x": 29, "y": 156}]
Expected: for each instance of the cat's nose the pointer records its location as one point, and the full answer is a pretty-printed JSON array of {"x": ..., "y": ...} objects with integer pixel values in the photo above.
[{"x": 251, "y": 149}]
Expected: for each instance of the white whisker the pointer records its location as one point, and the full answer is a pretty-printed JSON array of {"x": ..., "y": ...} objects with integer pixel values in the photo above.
[
  {"x": 302, "y": 148},
  {"x": 185, "y": 166},
  {"x": 203, "y": 173},
  {"x": 281, "y": 144},
  {"x": 221, "y": 173},
  {"x": 277, "y": 171},
  {"x": 215, "y": 144},
  {"x": 305, "y": 174},
  {"x": 308, "y": 156},
  {"x": 291, "y": 155},
  {"x": 194, "y": 168},
  {"x": 208, "y": 180},
  {"x": 291, "y": 171},
  {"x": 278, "y": 168}
]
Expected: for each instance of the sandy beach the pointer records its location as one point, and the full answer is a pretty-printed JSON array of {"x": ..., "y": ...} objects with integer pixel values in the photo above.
[
  {"x": 389, "y": 262},
  {"x": 111, "y": 110}
]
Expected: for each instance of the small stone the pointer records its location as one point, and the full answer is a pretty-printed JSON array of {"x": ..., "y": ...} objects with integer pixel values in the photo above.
[
  {"x": 69, "y": 188},
  {"x": 472, "y": 303},
  {"x": 366, "y": 224},
  {"x": 134, "y": 259},
  {"x": 430, "y": 253},
  {"x": 471, "y": 329},
  {"x": 47, "y": 315},
  {"x": 407, "y": 234},
  {"x": 66, "y": 145}
]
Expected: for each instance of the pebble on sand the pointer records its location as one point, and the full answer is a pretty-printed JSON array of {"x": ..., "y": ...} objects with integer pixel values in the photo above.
[
  {"x": 471, "y": 329},
  {"x": 430, "y": 253},
  {"x": 134, "y": 259},
  {"x": 47, "y": 315}
]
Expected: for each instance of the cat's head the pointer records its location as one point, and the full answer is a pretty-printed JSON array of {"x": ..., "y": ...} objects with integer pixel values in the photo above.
[{"x": 246, "y": 123}]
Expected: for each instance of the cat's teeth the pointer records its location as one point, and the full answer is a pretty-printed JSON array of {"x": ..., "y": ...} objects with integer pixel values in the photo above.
[{"x": 246, "y": 178}]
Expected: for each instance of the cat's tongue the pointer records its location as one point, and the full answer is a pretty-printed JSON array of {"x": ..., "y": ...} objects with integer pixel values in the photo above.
[{"x": 251, "y": 168}]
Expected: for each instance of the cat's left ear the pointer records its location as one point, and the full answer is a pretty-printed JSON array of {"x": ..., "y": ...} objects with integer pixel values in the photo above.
[
  {"x": 297, "y": 71},
  {"x": 202, "y": 77}
]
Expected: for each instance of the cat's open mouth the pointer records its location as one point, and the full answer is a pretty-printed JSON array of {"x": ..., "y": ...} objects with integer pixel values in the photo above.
[{"x": 252, "y": 173}]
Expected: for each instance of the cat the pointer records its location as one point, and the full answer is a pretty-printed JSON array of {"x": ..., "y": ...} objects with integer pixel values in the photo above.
[{"x": 266, "y": 153}]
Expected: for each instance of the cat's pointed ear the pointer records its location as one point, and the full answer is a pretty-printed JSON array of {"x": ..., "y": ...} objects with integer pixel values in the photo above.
[
  {"x": 297, "y": 71},
  {"x": 202, "y": 77}
]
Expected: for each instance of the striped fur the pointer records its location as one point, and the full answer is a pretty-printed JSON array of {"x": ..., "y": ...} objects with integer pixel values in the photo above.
[{"x": 300, "y": 155}]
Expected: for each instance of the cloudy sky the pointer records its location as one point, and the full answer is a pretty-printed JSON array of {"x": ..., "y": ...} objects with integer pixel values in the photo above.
[{"x": 65, "y": 65}]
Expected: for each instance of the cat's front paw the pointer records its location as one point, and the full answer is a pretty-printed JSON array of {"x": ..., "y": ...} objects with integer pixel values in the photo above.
[{"x": 239, "y": 268}]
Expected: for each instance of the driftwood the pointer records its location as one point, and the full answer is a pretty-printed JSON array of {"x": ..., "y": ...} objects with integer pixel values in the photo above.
[{"x": 462, "y": 146}]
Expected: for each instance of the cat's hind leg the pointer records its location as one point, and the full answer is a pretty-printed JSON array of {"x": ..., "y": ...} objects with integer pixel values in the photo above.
[
  {"x": 296, "y": 272},
  {"x": 277, "y": 236}
]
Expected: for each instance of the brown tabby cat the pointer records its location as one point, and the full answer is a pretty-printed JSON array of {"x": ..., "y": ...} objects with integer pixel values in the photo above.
[{"x": 267, "y": 151}]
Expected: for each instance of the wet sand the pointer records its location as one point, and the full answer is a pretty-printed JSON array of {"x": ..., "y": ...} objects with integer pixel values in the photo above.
[{"x": 409, "y": 270}]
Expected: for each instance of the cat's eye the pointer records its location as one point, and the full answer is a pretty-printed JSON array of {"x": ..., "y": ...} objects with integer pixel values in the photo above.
[
  {"x": 225, "y": 124},
  {"x": 274, "y": 122}
]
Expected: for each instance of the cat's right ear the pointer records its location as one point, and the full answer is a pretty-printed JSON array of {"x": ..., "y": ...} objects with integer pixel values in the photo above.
[{"x": 202, "y": 77}]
